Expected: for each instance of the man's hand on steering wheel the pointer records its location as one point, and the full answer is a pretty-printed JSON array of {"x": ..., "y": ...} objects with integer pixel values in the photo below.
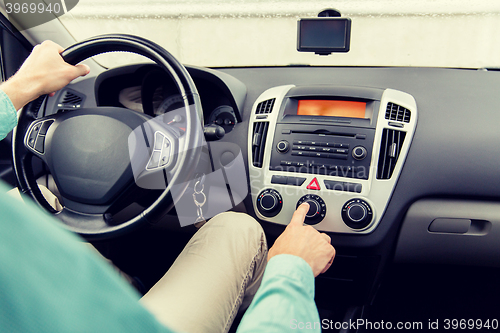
[{"x": 43, "y": 72}]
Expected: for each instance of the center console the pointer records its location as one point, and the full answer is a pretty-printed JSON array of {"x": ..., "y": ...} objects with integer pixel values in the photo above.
[{"x": 338, "y": 148}]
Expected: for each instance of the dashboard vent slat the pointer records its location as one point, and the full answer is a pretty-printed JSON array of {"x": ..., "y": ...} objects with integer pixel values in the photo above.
[
  {"x": 265, "y": 106},
  {"x": 70, "y": 100},
  {"x": 259, "y": 143},
  {"x": 390, "y": 148},
  {"x": 397, "y": 113}
]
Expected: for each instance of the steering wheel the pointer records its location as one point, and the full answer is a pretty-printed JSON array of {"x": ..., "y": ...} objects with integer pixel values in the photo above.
[{"x": 98, "y": 156}]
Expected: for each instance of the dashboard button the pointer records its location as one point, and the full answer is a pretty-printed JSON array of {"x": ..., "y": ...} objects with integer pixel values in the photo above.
[
  {"x": 299, "y": 153},
  {"x": 269, "y": 202},
  {"x": 357, "y": 214},
  {"x": 338, "y": 156},
  {"x": 283, "y": 146},
  {"x": 340, "y": 151},
  {"x": 314, "y": 185},
  {"x": 296, "y": 181},
  {"x": 359, "y": 152},
  {"x": 279, "y": 179},
  {"x": 317, "y": 208}
]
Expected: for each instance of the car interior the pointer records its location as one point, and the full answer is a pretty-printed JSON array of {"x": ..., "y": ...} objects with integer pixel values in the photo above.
[{"x": 399, "y": 163}]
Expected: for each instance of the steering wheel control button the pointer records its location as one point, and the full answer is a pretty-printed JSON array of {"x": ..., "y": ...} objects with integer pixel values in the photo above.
[
  {"x": 317, "y": 208},
  {"x": 283, "y": 146},
  {"x": 158, "y": 140},
  {"x": 154, "y": 161},
  {"x": 161, "y": 152},
  {"x": 357, "y": 214},
  {"x": 269, "y": 202},
  {"x": 45, "y": 127},
  {"x": 36, "y": 138},
  {"x": 359, "y": 153},
  {"x": 32, "y": 139},
  {"x": 40, "y": 143},
  {"x": 314, "y": 185}
]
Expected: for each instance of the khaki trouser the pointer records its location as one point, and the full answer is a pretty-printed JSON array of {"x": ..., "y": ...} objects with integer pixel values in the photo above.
[{"x": 218, "y": 271}]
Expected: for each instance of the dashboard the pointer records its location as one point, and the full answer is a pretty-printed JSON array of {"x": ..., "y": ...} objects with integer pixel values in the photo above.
[
  {"x": 405, "y": 171},
  {"x": 147, "y": 89}
]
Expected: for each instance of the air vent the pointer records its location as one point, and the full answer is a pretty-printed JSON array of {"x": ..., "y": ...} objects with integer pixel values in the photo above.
[
  {"x": 265, "y": 107},
  {"x": 70, "y": 100},
  {"x": 397, "y": 112},
  {"x": 259, "y": 143},
  {"x": 392, "y": 141}
]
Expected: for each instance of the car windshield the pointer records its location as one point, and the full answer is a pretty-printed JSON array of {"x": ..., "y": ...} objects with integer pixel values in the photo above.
[{"x": 241, "y": 33}]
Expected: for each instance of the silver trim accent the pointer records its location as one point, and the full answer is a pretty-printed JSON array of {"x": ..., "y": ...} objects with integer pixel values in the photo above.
[
  {"x": 376, "y": 192},
  {"x": 159, "y": 135}
]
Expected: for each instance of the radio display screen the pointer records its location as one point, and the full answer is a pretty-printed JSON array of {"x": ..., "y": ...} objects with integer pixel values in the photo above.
[{"x": 332, "y": 108}]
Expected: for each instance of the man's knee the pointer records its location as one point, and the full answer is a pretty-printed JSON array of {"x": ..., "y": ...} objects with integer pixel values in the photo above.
[{"x": 239, "y": 224}]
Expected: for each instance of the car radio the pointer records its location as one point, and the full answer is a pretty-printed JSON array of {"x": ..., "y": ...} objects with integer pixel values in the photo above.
[{"x": 340, "y": 149}]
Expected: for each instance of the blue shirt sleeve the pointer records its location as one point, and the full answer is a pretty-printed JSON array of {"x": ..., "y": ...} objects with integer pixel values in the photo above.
[
  {"x": 285, "y": 299},
  {"x": 8, "y": 115},
  {"x": 51, "y": 282}
]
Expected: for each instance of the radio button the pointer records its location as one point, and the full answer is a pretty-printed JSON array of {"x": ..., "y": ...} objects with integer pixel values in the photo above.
[
  {"x": 327, "y": 150},
  {"x": 346, "y": 168},
  {"x": 341, "y": 145},
  {"x": 287, "y": 163},
  {"x": 319, "y": 155},
  {"x": 359, "y": 152},
  {"x": 283, "y": 146},
  {"x": 299, "y": 153},
  {"x": 338, "y": 156},
  {"x": 314, "y": 148},
  {"x": 340, "y": 151}
]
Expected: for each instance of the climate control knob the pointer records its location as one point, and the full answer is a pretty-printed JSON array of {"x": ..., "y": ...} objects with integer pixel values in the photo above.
[
  {"x": 359, "y": 152},
  {"x": 357, "y": 214},
  {"x": 269, "y": 202},
  {"x": 317, "y": 208}
]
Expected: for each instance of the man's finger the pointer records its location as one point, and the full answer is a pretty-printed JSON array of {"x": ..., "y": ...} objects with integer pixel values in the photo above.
[
  {"x": 83, "y": 69},
  {"x": 329, "y": 262},
  {"x": 299, "y": 215},
  {"x": 328, "y": 239}
]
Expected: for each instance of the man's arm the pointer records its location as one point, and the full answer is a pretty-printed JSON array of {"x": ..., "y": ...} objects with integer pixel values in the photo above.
[{"x": 285, "y": 299}]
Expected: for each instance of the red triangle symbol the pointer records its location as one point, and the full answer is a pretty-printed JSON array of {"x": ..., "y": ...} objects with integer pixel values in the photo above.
[{"x": 313, "y": 185}]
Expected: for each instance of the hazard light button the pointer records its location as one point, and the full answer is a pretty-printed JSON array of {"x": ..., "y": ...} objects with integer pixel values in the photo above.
[{"x": 314, "y": 185}]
